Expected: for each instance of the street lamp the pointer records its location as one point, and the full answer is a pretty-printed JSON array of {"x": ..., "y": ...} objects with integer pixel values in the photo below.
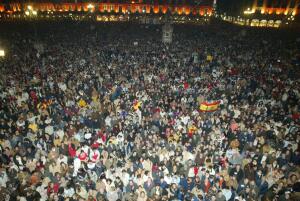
[
  {"x": 91, "y": 7},
  {"x": 30, "y": 11},
  {"x": 249, "y": 11}
]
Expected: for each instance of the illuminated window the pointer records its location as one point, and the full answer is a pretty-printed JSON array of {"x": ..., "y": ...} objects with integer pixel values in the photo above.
[
  {"x": 254, "y": 22},
  {"x": 263, "y": 23},
  {"x": 277, "y": 23},
  {"x": 270, "y": 23}
]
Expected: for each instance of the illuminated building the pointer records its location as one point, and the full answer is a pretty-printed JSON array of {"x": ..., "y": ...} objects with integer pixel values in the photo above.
[
  {"x": 266, "y": 13},
  {"x": 181, "y": 7}
]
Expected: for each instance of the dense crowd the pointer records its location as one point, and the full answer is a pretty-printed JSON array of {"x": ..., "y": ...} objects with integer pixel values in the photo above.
[{"x": 92, "y": 112}]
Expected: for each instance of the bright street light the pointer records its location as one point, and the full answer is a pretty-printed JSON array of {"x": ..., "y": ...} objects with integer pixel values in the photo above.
[
  {"x": 2, "y": 53},
  {"x": 29, "y": 7},
  {"x": 90, "y": 6},
  {"x": 249, "y": 11}
]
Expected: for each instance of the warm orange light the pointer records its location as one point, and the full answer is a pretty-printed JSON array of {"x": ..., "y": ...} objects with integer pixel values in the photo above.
[
  {"x": 156, "y": 9},
  {"x": 179, "y": 10},
  {"x": 124, "y": 8},
  {"x": 72, "y": 7},
  {"x": 201, "y": 12},
  {"x": 208, "y": 12},
  {"x": 254, "y": 6},
  {"x": 278, "y": 11},
  {"x": 270, "y": 11},
  {"x": 148, "y": 9},
  {"x": 139, "y": 9},
  {"x": 116, "y": 8},
  {"x": 133, "y": 8},
  {"x": 164, "y": 9},
  {"x": 14, "y": 9},
  {"x": 187, "y": 10},
  {"x": 101, "y": 8},
  {"x": 85, "y": 8},
  {"x": 108, "y": 8},
  {"x": 79, "y": 8},
  {"x": 66, "y": 7}
]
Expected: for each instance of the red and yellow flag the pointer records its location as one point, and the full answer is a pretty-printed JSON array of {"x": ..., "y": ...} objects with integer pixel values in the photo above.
[
  {"x": 44, "y": 105},
  {"x": 209, "y": 106},
  {"x": 136, "y": 105}
]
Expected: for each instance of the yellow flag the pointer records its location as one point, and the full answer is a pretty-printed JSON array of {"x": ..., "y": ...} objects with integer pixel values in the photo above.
[{"x": 209, "y": 58}]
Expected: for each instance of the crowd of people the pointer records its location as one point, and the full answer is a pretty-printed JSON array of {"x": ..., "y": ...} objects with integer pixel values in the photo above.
[{"x": 96, "y": 112}]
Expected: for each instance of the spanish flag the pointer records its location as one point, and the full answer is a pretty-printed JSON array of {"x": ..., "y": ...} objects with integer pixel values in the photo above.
[
  {"x": 192, "y": 130},
  {"x": 136, "y": 105},
  {"x": 44, "y": 105},
  {"x": 209, "y": 106}
]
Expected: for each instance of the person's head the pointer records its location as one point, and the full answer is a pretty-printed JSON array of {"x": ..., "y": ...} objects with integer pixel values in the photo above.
[
  {"x": 142, "y": 194},
  {"x": 287, "y": 195}
]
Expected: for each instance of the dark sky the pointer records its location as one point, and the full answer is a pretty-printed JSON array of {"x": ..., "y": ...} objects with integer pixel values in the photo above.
[{"x": 233, "y": 6}]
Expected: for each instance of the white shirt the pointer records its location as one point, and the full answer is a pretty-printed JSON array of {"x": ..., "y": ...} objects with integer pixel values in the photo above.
[
  {"x": 227, "y": 193},
  {"x": 175, "y": 179},
  {"x": 77, "y": 163},
  {"x": 3, "y": 179},
  {"x": 69, "y": 192},
  {"x": 43, "y": 192},
  {"x": 49, "y": 130},
  {"x": 64, "y": 159},
  {"x": 112, "y": 195},
  {"x": 125, "y": 178}
]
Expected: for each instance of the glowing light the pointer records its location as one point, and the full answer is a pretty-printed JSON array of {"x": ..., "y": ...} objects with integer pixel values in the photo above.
[
  {"x": 248, "y": 11},
  {"x": 90, "y": 6},
  {"x": 34, "y": 12},
  {"x": 2, "y": 53},
  {"x": 27, "y": 13},
  {"x": 29, "y": 7}
]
